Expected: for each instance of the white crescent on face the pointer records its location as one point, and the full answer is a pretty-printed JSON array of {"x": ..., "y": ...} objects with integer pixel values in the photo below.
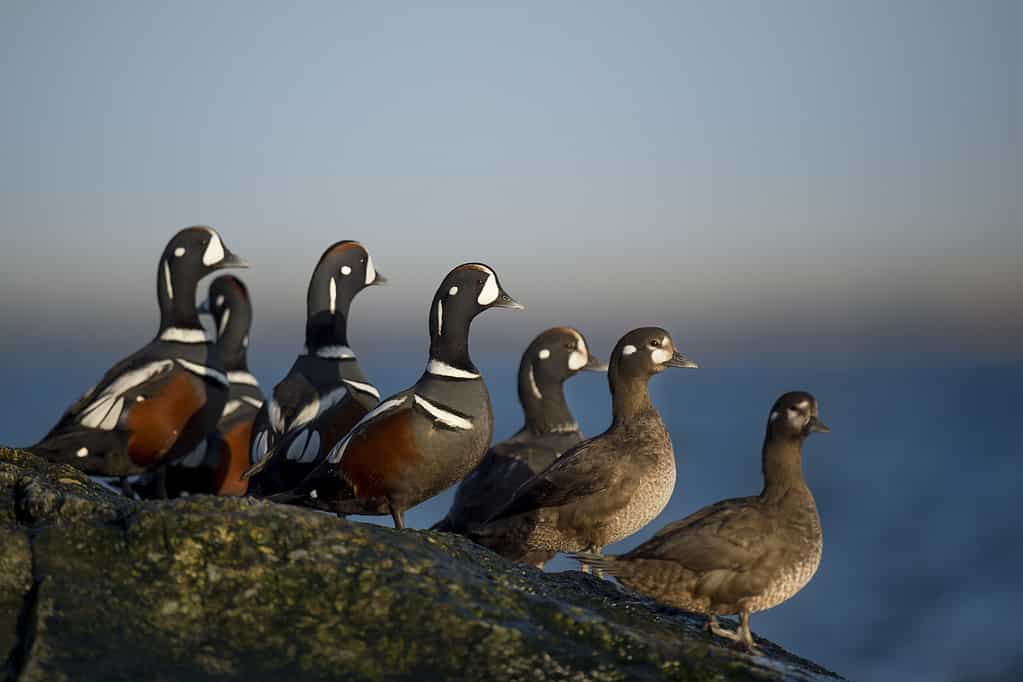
[
  {"x": 214, "y": 252},
  {"x": 490, "y": 291},
  {"x": 371, "y": 272},
  {"x": 580, "y": 356}
]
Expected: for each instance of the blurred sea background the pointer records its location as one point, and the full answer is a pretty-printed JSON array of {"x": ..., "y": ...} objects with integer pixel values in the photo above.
[{"x": 817, "y": 196}]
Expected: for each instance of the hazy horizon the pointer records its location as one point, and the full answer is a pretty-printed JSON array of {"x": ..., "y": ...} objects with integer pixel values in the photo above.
[{"x": 778, "y": 185}]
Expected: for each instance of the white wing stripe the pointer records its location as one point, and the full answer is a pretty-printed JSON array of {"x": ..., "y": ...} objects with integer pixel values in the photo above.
[
  {"x": 204, "y": 371},
  {"x": 97, "y": 414},
  {"x": 365, "y": 388},
  {"x": 443, "y": 416},
  {"x": 242, "y": 377},
  {"x": 312, "y": 448},
  {"x": 339, "y": 450}
]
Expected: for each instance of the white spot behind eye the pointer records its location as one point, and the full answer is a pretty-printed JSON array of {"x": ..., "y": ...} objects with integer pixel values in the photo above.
[
  {"x": 490, "y": 292},
  {"x": 371, "y": 272},
  {"x": 333, "y": 295},
  {"x": 82, "y": 452},
  {"x": 346, "y": 270},
  {"x": 245, "y": 341},
  {"x": 452, "y": 291},
  {"x": 544, "y": 354},
  {"x": 220, "y": 300},
  {"x": 214, "y": 250},
  {"x": 179, "y": 252},
  {"x": 628, "y": 349},
  {"x": 774, "y": 416}
]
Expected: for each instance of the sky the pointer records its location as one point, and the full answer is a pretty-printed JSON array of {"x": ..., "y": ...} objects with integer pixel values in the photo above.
[{"x": 789, "y": 183}]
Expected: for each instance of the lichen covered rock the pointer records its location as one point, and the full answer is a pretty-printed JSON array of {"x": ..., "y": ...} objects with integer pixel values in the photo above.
[{"x": 94, "y": 586}]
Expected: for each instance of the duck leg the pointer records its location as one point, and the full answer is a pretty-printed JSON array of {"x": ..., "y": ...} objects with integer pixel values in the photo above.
[
  {"x": 745, "y": 636},
  {"x": 396, "y": 514},
  {"x": 714, "y": 627}
]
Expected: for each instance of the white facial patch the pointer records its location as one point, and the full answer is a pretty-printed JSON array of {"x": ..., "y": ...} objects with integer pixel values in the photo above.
[
  {"x": 660, "y": 356},
  {"x": 580, "y": 356},
  {"x": 82, "y": 452},
  {"x": 371, "y": 272},
  {"x": 223, "y": 322},
  {"x": 167, "y": 280},
  {"x": 179, "y": 252},
  {"x": 543, "y": 354},
  {"x": 490, "y": 291},
  {"x": 214, "y": 252},
  {"x": 774, "y": 417},
  {"x": 628, "y": 349},
  {"x": 333, "y": 295},
  {"x": 452, "y": 291},
  {"x": 346, "y": 270},
  {"x": 220, "y": 300}
]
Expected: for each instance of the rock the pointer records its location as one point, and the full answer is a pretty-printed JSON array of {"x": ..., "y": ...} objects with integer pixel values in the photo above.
[{"x": 95, "y": 586}]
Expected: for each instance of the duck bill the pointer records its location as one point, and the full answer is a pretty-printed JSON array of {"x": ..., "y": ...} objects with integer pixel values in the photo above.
[
  {"x": 595, "y": 364},
  {"x": 817, "y": 426},
  {"x": 681, "y": 361},
  {"x": 378, "y": 280},
  {"x": 232, "y": 260},
  {"x": 506, "y": 301}
]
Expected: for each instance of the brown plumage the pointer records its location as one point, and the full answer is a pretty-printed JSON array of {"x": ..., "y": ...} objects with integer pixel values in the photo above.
[{"x": 741, "y": 555}]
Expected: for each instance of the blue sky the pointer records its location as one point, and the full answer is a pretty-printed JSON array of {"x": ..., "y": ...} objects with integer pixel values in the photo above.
[{"x": 793, "y": 182}]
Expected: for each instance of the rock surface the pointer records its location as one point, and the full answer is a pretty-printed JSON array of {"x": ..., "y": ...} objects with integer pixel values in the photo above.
[{"x": 97, "y": 587}]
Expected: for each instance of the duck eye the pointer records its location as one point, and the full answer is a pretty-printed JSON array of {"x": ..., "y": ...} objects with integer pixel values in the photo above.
[{"x": 655, "y": 343}]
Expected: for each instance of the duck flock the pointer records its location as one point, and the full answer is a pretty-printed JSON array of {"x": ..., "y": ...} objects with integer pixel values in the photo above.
[{"x": 184, "y": 415}]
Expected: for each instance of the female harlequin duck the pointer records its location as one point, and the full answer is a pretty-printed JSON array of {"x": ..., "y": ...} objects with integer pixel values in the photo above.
[
  {"x": 157, "y": 405},
  {"x": 553, "y": 357},
  {"x": 218, "y": 469},
  {"x": 325, "y": 393},
  {"x": 418, "y": 442},
  {"x": 742, "y": 555},
  {"x": 605, "y": 488}
]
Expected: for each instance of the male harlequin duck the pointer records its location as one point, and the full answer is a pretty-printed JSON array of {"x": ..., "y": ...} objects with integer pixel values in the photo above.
[
  {"x": 742, "y": 555},
  {"x": 554, "y": 356},
  {"x": 418, "y": 442},
  {"x": 608, "y": 487},
  {"x": 325, "y": 393},
  {"x": 157, "y": 405},
  {"x": 218, "y": 469}
]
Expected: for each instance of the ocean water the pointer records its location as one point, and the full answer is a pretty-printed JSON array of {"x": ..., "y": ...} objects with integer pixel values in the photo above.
[{"x": 917, "y": 488}]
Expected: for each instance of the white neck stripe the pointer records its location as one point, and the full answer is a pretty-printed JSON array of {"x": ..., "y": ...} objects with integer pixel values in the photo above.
[
  {"x": 184, "y": 335},
  {"x": 335, "y": 352},
  {"x": 443, "y": 369}
]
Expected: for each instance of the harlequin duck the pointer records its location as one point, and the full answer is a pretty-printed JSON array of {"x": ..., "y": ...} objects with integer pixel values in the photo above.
[
  {"x": 325, "y": 393},
  {"x": 218, "y": 469},
  {"x": 608, "y": 487},
  {"x": 422, "y": 440},
  {"x": 554, "y": 356},
  {"x": 157, "y": 405},
  {"x": 742, "y": 555}
]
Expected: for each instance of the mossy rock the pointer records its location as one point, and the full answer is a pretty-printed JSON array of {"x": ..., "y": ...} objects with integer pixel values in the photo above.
[{"x": 97, "y": 587}]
